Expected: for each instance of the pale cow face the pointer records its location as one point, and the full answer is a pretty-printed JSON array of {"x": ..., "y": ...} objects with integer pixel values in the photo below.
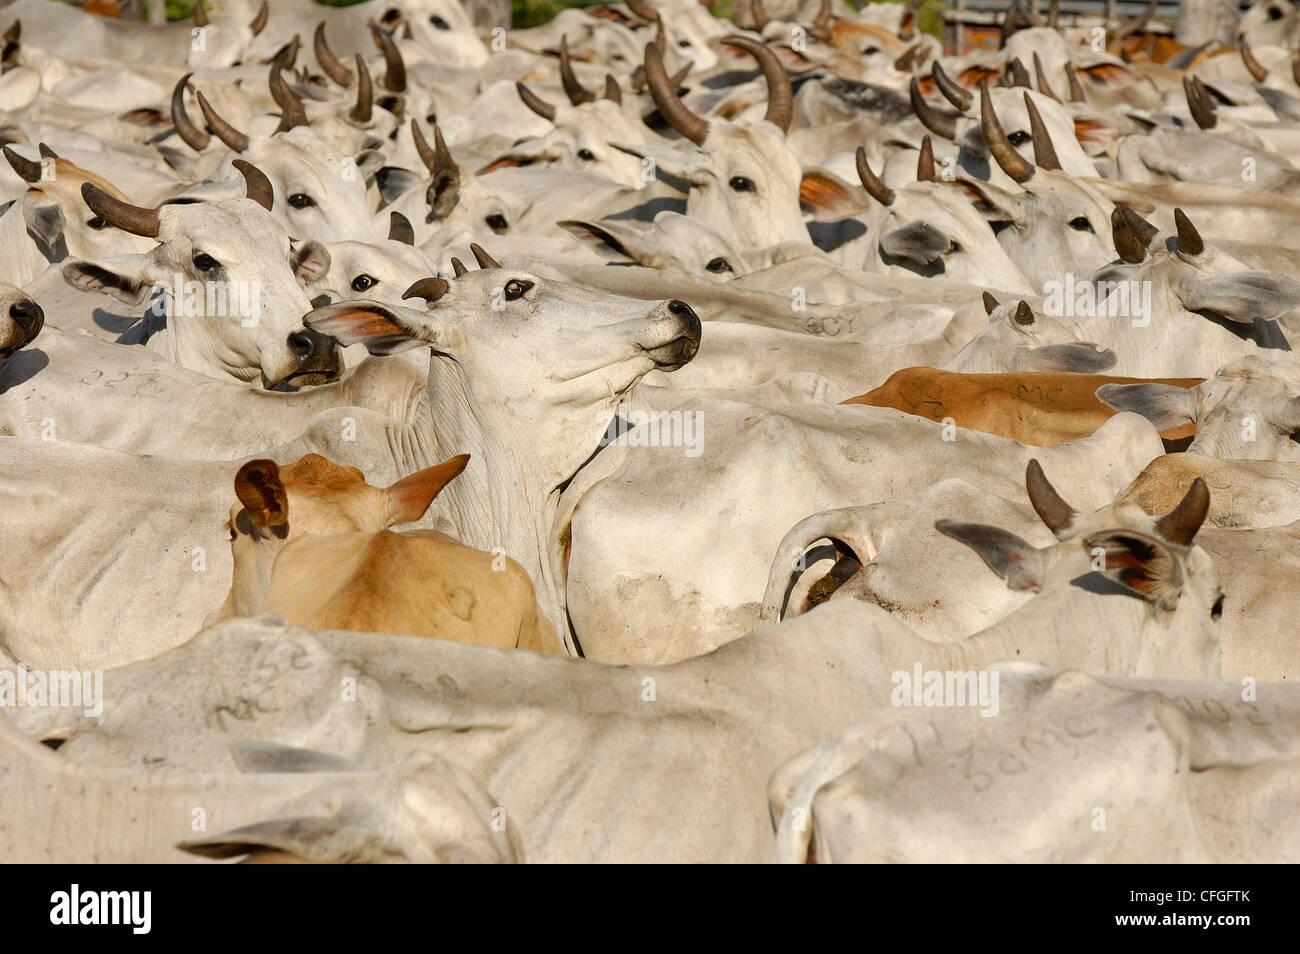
[
  {"x": 581, "y": 142},
  {"x": 381, "y": 271},
  {"x": 21, "y": 320},
  {"x": 1020, "y": 339},
  {"x": 673, "y": 242}
]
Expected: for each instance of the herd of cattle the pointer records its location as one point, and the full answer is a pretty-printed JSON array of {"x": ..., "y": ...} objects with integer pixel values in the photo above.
[{"x": 799, "y": 444}]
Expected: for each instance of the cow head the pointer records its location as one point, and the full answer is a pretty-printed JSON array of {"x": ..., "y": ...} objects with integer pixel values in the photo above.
[
  {"x": 1269, "y": 23},
  {"x": 673, "y": 242},
  {"x": 382, "y": 271},
  {"x": 224, "y": 42},
  {"x": 235, "y": 302},
  {"x": 1019, "y": 339},
  {"x": 21, "y": 320}
]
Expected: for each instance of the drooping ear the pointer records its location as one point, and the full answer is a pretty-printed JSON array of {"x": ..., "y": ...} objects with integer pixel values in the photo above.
[
  {"x": 408, "y": 499},
  {"x": 829, "y": 197},
  {"x": 616, "y": 241},
  {"x": 363, "y": 322},
  {"x": 1081, "y": 357},
  {"x": 1244, "y": 297},
  {"x": 126, "y": 277},
  {"x": 303, "y": 838},
  {"x": 1023, "y": 566},
  {"x": 44, "y": 218},
  {"x": 917, "y": 242},
  {"x": 259, "y": 489},
  {"x": 679, "y": 163},
  {"x": 1139, "y": 563},
  {"x": 394, "y": 182},
  {"x": 310, "y": 261},
  {"x": 995, "y": 204},
  {"x": 1163, "y": 405}
]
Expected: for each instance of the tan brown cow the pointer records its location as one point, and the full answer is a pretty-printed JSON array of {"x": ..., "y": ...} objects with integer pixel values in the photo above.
[
  {"x": 1039, "y": 408},
  {"x": 312, "y": 542}
]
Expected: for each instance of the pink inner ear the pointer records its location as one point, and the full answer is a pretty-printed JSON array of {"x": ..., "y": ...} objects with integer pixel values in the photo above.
[{"x": 359, "y": 324}]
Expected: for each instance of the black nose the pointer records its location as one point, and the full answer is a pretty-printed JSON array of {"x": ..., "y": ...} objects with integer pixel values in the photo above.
[
  {"x": 27, "y": 315},
  {"x": 310, "y": 346},
  {"x": 689, "y": 318}
]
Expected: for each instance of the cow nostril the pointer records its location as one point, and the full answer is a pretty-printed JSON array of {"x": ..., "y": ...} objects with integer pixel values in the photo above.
[
  {"x": 680, "y": 308},
  {"x": 26, "y": 313}
]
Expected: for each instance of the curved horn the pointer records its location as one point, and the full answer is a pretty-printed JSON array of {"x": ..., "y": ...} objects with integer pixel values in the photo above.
[
  {"x": 256, "y": 185},
  {"x": 394, "y": 68},
  {"x": 291, "y": 111},
  {"x": 679, "y": 77},
  {"x": 1189, "y": 240},
  {"x": 227, "y": 133},
  {"x": 1140, "y": 227},
  {"x": 1012, "y": 163},
  {"x": 1054, "y": 14},
  {"x": 875, "y": 188},
  {"x": 1019, "y": 75},
  {"x": 577, "y": 93},
  {"x": 641, "y": 10},
  {"x": 458, "y": 267},
  {"x": 399, "y": 229},
  {"x": 612, "y": 91},
  {"x": 1040, "y": 76},
  {"x": 287, "y": 55},
  {"x": 192, "y": 135},
  {"x": 1127, "y": 244},
  {"x": 430, "y": 289},
  {"x": 28, "y": 169},
  {"x": 990, "y": 303},
  {"x": 668, "y": 102},
  {"x": 1199, "y": 103},
  {"x": 327, "y": 60},
  {"x": 1255, "y": 67},
  {"x": 1009, "y": 20},
  {"x": 780, "y": 94},
  {"x": 534, "y": 102},
  {"x": 961, "y": 98},
  {"x": 1180, "y": 524},
  {"x": 1044, "y": 151},
  {"x": 360, "y": 113},
  {"x": 925, "y": 162},
  {"x": 200, "y": 15},
  {"x": 759, "y": 13},
  {"x": 823, "y": 18},
  {"x": 130, "y": 218},
  {"x": 483, "y": 258},
  {"x": 1055, "y": 513},
  {"x": 427, "y": 155},
  {"x": 1024, "y": 315},
  {"x": 940, "y": 125},
  {"x": 1076, "y": 88},
  {"x": 258, "y": 23},
  {"x": 45, "y": 151}
]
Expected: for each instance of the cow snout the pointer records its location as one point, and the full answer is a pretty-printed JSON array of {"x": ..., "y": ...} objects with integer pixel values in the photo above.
[
  {"x": 682, "y": 348},
  {"x": 316, "y": 356},
  {"x": 28, "y": 318}
]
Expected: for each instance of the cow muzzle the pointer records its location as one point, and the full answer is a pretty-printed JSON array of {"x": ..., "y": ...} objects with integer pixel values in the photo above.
[
  {"x": 682, "y": 340},
  {"x": 28, "y": 318},
  {"x": 316, "y": 359}
]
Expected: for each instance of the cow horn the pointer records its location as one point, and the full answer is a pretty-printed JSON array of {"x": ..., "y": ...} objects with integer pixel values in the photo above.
[
  {"x": 1044, "y": 151},
  {"x": 759, "y": 13},
  {"x": 328, "y": 61},
  {"x": 1189, "y": 240},
  {"x": 1255, "y": 67},
  {"x": 256, "y": 185},
  {"x": 430, "y": 289},
  {"x": 780, "y": 94},
  {"x": 1055, "y": 513},
  {"x": 1127, "y": 244},
  {"x": 437, "y": 158},
  {"x": 641, "y": 10},
  {"x": 1076, "y": 88},
  {"x": 399, "y": 229},
  {"x": 931, "y": 119},
  {"x": 192, "y": 135},
  {"x": 1009, "y": 20},
  {"x": 612, "y": 91},
  {"x": 28, "y": 169},
  {"x": 200, "y": 15},
  {"x": 291, "y": 111},
  {"x": 1040, "y": 76},
  {"x": 1012, "y": 163},
  {"x": 483, "y": 258},
  {"x": 668, "y": 102},
  {"x": 577, "y": 93},
  {"x": 990, "y": 303},
  {"x": 360, "y": 113},
  {"x": 227, "y": 133},
  {"x": 1138, "y": 22},
  {"x": 15, "y": 32},
  {"x": 925, "y": 162},
  {"x": 45, "y": 151},
  {"x": 1054, "y": 14},
  {"x": 287, "y": 55},
  {"x": 394, "y": 68},
  {"x": 1180, "y": 524},
  {"x": 1199, "y": 103},
  {"x": 458, "y": 267},
  {"x": 534, "y": 102},
  {"x": 1019, "y": 75},
  {"x": 875, "y": 188},
  {"x": 130, "y": 218},
  {"x": 823, "y": 18},
  {"x": 258, "y": 23},
  {"x": 960, "y": 98},
  {"x": 1143, "y": 229}
]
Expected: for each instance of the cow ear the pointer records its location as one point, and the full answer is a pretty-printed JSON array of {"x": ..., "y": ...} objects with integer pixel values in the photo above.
[
  {"x": 44, "y": 218},
  {"x": 1163, "y": 405},
  {"x": 1245, "y": 297},
  {"x": 673, "y": 162},
  {"x": 303, "y": 838},
  {"x": 916, "y": 242},
  {"x": 259, "y": 489},
  {"x": 829, "y": 197},
  {"x": 362, "y": 322},
  {"x": 125, "y": 277},
  {"x": 1080, "y": 357},
  {"x": 408, "y": 499},
  {"x": 1023, "y": 566},
  {"x": 311, "y": 261},
  {"x": 1141, "y": 564},
  {"x": 616, "y": 242}
]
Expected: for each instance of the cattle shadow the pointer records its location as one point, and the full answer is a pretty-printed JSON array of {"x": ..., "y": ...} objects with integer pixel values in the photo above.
[{"x": 22, "y": 367}]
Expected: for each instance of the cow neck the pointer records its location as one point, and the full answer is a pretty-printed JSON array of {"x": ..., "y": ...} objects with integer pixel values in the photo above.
[{"x": 200, "y": 352}]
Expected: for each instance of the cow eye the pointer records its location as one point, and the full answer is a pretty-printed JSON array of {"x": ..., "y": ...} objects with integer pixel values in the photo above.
[
  {"x": 683, "y": 43},
  {"x": 1019, "y": 137},
  {"x": 1081, "y": 224},
  {"x": 439, "y": 22},
  {"x": 362, "y": 282},
  {"x": 1274, "y": 13},
  {"x": 96, "y": 223},
  {"x": 870, "y": 50},
  {"x": 301, "y": 200},
  {"x": 1216, "y": 611},
  {"x": 205, "y": 263},
  {"x": 742, "y": 184},
  {"x": 586, "y": 155},
  {"x": 497, "y": 223},
  {"x": 431, "y": 119},
  {"x": 515, "y": 288},
  {"x": 718, "y": 265}
]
